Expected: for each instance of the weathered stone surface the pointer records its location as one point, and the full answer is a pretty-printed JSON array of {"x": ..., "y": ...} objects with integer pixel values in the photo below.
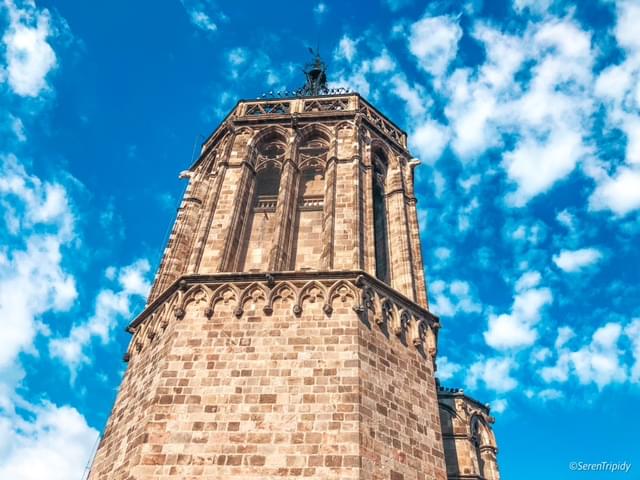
[{"x": 268, "y": 348}]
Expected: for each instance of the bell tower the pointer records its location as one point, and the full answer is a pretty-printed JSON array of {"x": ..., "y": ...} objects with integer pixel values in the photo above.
[{"x": 287, "y": 333}]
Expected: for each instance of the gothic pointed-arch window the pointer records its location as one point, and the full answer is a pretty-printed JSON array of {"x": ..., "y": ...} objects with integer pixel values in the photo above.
[
  {"x": 269, "y": 155},
  {"x": 381, "y": 241},
  {"x": 476, "y": 440},
  {"x": 312, "y": 157}
]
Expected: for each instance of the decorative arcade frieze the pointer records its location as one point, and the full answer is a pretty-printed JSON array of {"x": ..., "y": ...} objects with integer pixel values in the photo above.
[{"x": 376, "y": 304}]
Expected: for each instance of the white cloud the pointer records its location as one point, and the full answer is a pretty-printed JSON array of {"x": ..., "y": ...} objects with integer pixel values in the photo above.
[
  {"x": 548, "y": 116},
  {"x": 550, "y": 394},
  {"x": 36, "y": 440},
  {"x": 412, "y": 96},
  {"x": 28, "y": 54},
  {"x": 517, "y": 329},
  {"x": 528, "y": 280},
  {"x": 536, "y": 6},
  {"x": 499, "y": 405},
  {"x": 597, "y": 362},
  {"x": 199, "y": 16},
  {"x": 447, "y": 369},
  {"x": 617, "y": 88},
  {"x": 536, "y": 165},
  {"x": 620, "y": 193},
  {"x": 564, "y": 335},
  {"x": 575, "y": 260},
  {"x": 448, "y": 300},
  {"x": 566, "y": 218},
  {"x": 558, "y": 372},
  {"x": 626, "y": 30},
  {"x": 632, "y": 331},
  {"x": 18, "y": 128},
  {"x": 110, "y": 308},
  {"x": 434, "y": 43},
  {"x": 346, "y": 49},
  {"x": 32, "y": 279},
  {"x": 383, "y": 63},
  {"x": 237, "y": 56},
  {"x": 468, "y": 183},
  {"x": 320, "y": 10},
  {"x": 429, "y": 140},
  {"x": 442, "y": 253},
  {"x": 495, "y": 373},
  {"x": 55, "y": 443}
]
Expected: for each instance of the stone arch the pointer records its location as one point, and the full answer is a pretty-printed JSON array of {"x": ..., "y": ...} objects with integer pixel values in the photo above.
[
  {"x": 379, "y": 188},
  {"x": 154, "y": 331},
  {"x": 253, "y": 294},
  {"x": 268, "y": 150},
  {"x": 226, "y": 296},
  {"x": 313, "y": 292},
  {"x": 197, "y": 294},
  {"x": 395, "y": 323},
  {"x": 266, "y": 132},
  {"x": 479, "y": 426},
  {"x": 416, "y": 333},
  {"x": 259, "y": 143},
  {"x": 379, "y": 146},
  {"x": 344, "y": 124},
  {"x": 341, "y": 290},
  {"x": 311, "y": 154},
  {"x": 141, "y": 335},
  {"x": 285, "y": 291},
  {"x": 312, "y": 131},
  {"x": 484, "y": 445}
]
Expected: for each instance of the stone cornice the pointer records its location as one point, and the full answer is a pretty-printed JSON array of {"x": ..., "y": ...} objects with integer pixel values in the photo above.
[
  {"x": 453, "y": 393},
  {"x": 375, "y": 303}
]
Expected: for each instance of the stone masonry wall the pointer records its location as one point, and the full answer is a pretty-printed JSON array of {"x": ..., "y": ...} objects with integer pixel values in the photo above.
[
  {"x": 131, "y": 424},
  {"x": 271, "y": 382},
  {"x": 400, "y": 430}
]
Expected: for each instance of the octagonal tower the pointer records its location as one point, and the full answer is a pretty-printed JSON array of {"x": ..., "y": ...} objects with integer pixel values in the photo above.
[{"x": 287, "y": 333}]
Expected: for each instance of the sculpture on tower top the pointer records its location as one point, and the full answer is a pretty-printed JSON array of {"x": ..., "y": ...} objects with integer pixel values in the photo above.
[
  {"x": 316, "y": 73},
  {"x": 316, "y": 84}
]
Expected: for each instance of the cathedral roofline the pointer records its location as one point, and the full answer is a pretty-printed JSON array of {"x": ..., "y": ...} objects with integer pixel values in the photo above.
[
  {"x": 306, "y": 108},
  {"x": 447, "y": 392}
]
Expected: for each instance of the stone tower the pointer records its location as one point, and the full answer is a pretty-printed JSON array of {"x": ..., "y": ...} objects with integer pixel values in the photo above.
[{"x": 287, "y": 333}]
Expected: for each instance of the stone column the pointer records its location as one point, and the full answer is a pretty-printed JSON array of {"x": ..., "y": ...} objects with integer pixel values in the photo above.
[
  {"x": 490, "y": 464},
  {"x": 399, "y": 246},
  {"x": 241, "y": 208},
  {"x": 176, "y": 254},
  {"x": 220, "y": 251},
  {"x": 420, "y": 284},
  {"x": 214, "y": 181},
  {"x": 280, "y": 253},
  {"x": 368, "y": 245},
  {"x": 328, "y": 215}
]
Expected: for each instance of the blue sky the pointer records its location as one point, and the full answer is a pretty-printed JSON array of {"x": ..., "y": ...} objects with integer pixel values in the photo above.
[{"x": 524, "y": 113}]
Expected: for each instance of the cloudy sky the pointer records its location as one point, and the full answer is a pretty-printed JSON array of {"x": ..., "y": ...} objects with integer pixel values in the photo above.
[{"x": 525, "y": 114}]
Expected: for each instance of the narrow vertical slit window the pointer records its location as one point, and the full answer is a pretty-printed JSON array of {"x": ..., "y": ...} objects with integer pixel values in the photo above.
[{"x": 381, "y": 242}]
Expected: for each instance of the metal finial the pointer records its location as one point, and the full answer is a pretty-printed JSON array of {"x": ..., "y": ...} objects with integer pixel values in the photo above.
[
  {"x": 316, "y": 73},
  {"x": 316, "y": 84}
]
